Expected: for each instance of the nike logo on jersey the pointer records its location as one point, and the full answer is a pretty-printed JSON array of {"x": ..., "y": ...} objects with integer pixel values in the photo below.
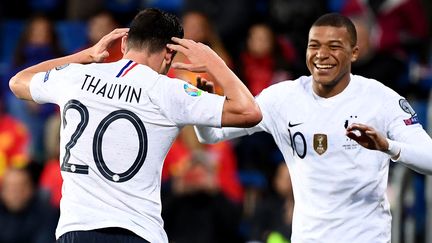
[{"x": 294, "y": 124}]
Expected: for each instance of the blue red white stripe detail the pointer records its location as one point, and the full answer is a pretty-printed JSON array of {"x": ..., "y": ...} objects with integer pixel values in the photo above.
[{"x": 126, "y": 68}]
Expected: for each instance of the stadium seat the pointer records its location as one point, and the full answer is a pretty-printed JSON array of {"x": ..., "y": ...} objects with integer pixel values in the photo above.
[
  {"x": 72, "y": 35},
  {"x": 10, "y": 32},
  {"x": 252, "y": 178},
  {"x": 173, "y": 6}
]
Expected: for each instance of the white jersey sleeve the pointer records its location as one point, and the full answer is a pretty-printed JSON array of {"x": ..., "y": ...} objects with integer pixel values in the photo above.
[
  {"x": 211, "y": 135},
  {"x": 406, "y": 132},
  {"x": 184, "y": 101},
  {"x": 48, "y": 87}
]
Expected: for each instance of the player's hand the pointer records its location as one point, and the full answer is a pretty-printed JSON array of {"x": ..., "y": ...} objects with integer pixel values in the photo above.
[
  {"x": 200, "y": 56},
  {"x": 367, "y": 137},
  {"x": 205, "y": 85},
  {"x": 99, "y": 51}
]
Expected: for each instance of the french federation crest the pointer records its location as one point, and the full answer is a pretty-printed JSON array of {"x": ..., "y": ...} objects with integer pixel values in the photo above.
[{"x": 320, "y": 143}]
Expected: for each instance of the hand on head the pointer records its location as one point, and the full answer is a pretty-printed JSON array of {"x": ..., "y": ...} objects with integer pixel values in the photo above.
[
  {"x": 99, "y": 51},
  {"x": 200, "y": 55}
]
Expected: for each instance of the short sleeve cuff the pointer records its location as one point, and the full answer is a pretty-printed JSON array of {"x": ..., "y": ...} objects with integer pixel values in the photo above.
[{"x": 34, "y": 86}]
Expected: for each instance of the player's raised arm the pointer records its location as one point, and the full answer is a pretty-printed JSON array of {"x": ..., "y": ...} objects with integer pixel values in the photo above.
[
  {"x": 19, "y": 84},
  {"x": 239, "y": 109}
]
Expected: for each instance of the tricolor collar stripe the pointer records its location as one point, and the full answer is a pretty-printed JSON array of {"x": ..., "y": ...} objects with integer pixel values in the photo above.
[
  {"x": 132, "y": 66},
  {"x": 124, "y": 68}
]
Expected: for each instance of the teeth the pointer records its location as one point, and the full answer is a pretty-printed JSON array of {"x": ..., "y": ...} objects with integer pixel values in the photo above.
[{"x": 323, "y": 66}]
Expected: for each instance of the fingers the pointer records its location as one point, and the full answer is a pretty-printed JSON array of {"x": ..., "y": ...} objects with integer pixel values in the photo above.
[
  {"x": 356, "y": 130},
  {"x": 117, "y": 33},
  {"x": 198, "y": 82},
  {"x": 176, "y": 40},
  {"x": 183, "y": 44},
  {"x": 367, "y": 130},
  {"x": 367, "y": 136},
  {"x": 204, "y": 84},
  {"x": 181, "y": 66},
  {"x": 209, "y": 87},
  {"x": 352, "y": 135},
  {"x": 193, "y": 67},
  {"x": 177, "y": 48},
  {"x": 359, "y": 127},
  {"x": 199, "y": 55}
]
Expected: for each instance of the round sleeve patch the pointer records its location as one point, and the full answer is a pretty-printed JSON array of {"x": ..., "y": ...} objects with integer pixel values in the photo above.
[{"x": 406, "y": 107}]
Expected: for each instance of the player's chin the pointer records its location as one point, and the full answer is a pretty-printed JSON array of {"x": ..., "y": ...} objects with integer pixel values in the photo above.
[
  {"x": 321, "y": 74},
  {"x": 324, "y": 80}
]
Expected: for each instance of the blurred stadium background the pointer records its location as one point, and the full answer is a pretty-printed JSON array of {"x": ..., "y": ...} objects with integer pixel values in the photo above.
[{"x": 397, "y": 51}]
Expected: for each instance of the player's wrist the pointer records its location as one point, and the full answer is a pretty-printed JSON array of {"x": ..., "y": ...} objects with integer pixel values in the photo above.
[
  {"x": 84, "y": 56},
  {"x": 393, "y": 149}
]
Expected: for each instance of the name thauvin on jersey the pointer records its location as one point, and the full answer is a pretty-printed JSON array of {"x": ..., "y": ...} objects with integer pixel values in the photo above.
[{"x": 123, "y": 92}]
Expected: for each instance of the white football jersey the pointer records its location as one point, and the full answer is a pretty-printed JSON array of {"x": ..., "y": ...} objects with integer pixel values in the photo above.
[
  {"x": 118, "y": 122},
  {"x": 339, "y": 186}
]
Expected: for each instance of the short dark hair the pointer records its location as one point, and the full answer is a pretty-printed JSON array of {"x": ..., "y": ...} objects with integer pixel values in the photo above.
[
  {"x": 338, "y": 20},
  {"x": 152, "y": 29}
]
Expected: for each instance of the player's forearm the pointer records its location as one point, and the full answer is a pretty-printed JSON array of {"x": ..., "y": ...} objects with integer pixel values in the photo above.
[
  {"x": 240, "y": 108},
  {"x": 416, "y": 152},
  {"x": 19, "y": 84}
]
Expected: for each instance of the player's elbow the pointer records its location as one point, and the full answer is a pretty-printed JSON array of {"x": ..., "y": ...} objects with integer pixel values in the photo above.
[
  {"x": 253, "y": 116},
  {"x": 241, "y": 115},
  {"x": 250, "y": 116},
  {"x": 18, "y": 88},
  {"x": 14, "y": 85}
]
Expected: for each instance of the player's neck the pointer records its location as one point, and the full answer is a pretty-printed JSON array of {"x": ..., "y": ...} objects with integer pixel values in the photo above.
[
  {"x": 154, "y": 61},
  {"x": 328, "y": 90}
]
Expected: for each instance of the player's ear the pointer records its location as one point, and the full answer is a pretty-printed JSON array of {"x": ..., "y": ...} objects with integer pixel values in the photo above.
[
  {"x": 169, "y": 55},
  {"x": 355, "y": 53},
  {"x": 124, "y": 44}
]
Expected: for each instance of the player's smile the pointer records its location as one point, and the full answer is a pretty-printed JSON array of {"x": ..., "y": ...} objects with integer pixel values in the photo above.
[
  {"x": 324, "y": 71},
  {"x": 324, "y": 68}
]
